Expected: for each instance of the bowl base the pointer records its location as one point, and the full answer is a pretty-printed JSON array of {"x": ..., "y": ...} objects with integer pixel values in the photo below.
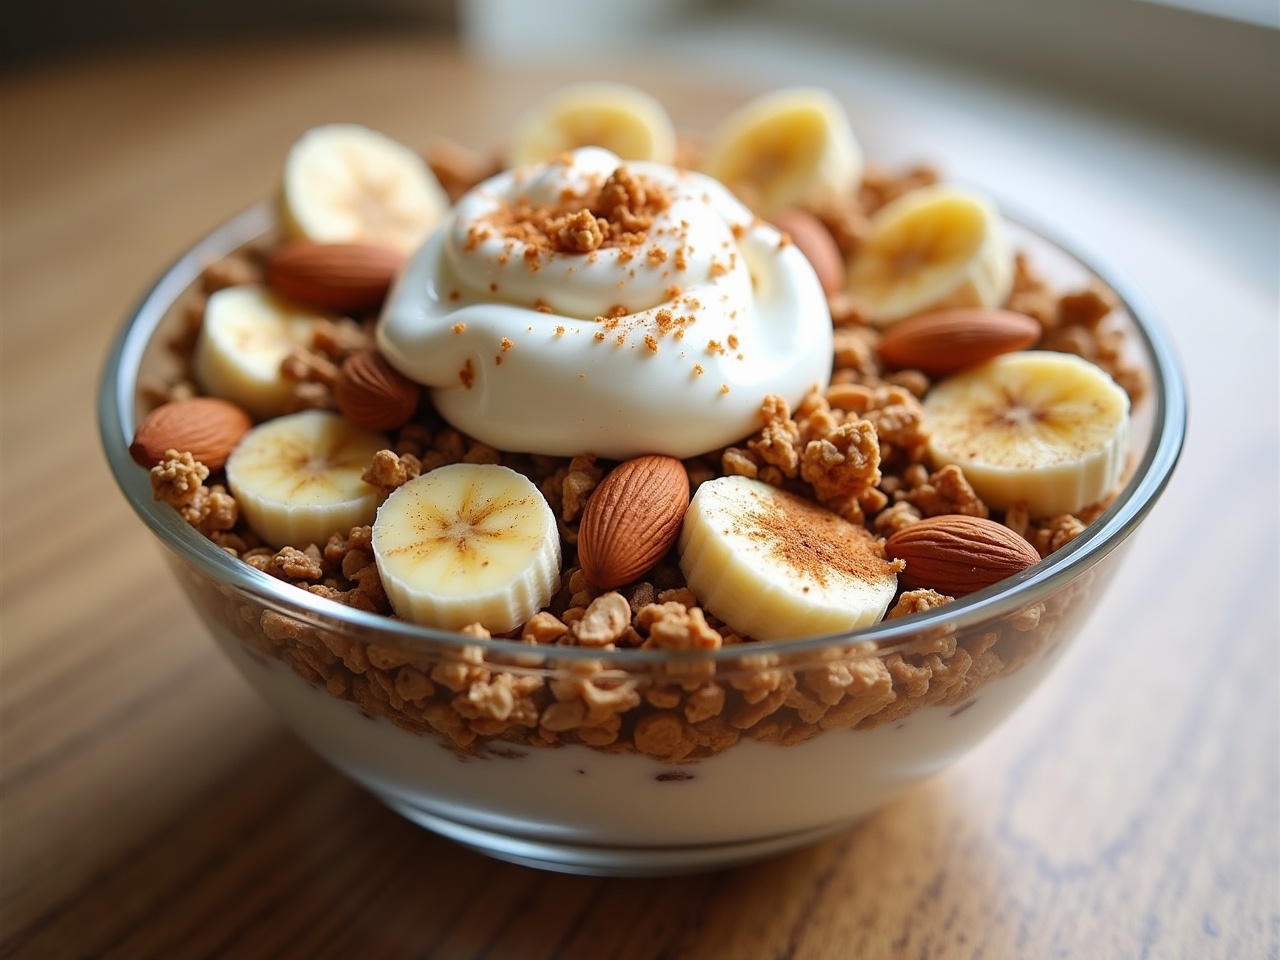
[{"x": 601, "y": 860}]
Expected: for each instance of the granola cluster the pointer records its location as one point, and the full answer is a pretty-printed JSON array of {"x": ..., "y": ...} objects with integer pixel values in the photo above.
[
  {"x": 857, "y": 449},
  {"x": 684, "y": 714},
  {"x": 619, "y": 213}
]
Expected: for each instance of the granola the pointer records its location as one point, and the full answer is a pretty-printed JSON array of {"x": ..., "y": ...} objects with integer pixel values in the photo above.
[{"x": 858, "y": 448}]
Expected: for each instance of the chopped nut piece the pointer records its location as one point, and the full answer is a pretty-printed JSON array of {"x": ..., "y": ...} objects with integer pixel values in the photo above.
[
  {"x": 947, "y": 491},
  {"x": 580, "y": 232},
  {"x": 778, "y": 442},
  {"x": 739, "y": 463},
  {"x": 704, "y": 702},
  {"x": 664, "y": 736},
  {"x": 1055, "y": 533},
  {"x": 581, "y": 477},
  {"x": 844, "y": 465},
  {"x": 606, "y": 620},
  {"x": 673, "y": 626},
  {"x": 388, "y": 471},
  {"x": 916, "y": 601},
  {"x": 292, "y": 564},
  {"x": 543, "y": 627},
  {"x": 178, "y": 479}
]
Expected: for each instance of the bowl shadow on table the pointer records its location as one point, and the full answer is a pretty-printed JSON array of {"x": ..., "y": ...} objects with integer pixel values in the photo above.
[{"x": 290, "y": 859}]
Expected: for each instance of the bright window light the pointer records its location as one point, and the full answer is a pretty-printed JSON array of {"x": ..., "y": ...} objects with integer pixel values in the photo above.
[{"x": 1265, "y": 13}]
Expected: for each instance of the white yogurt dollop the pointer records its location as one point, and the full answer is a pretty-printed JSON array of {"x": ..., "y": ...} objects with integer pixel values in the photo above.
[{"x": 663, "y": 338}]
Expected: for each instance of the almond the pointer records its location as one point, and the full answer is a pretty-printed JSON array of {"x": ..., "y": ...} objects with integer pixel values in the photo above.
[
  {"x": 340, "y": 277},
  {"x": 815, "y": 241},
  {"x": 950, "y": 340},
  {"x": 208, "y": 428},
  {"x": 958, "y": 555},
  {"x": 632, "y": 519},
  {"x": 373, "y": 394}
]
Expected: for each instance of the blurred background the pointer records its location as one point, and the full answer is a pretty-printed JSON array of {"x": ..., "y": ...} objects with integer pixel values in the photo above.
[
  {"x": 1172, "y": 102},
  {"x": 1146, "y": 133},
  {"x": 1210, "y": 65}
]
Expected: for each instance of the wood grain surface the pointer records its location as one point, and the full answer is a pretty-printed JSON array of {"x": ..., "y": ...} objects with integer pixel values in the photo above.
[{"x": 152, "y": 807}]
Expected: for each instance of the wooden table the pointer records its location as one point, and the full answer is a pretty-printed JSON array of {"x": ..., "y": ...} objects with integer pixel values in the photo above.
[{"x": 153, "y": 807}]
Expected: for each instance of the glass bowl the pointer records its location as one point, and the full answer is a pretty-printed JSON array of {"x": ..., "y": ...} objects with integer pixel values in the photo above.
[{"x": 628, "y": 761}]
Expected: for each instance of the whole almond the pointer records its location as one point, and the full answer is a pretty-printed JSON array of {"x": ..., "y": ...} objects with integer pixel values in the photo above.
[
  {"x": 632, "y": 519},
  {"x": 950, "y": 340},
  {"x": 815, "y": 241},
  {"x": 208, "y": 428},
  {"x": 348, "y": 278},
  {"x": 373, "y": 394},
  {"x": 958, "y": 555}
]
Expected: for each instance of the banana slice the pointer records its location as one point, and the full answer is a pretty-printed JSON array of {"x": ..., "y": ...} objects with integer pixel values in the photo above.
[
  {"x": 468, "y": 543},
  {"x": 297, "y": 478},
  {"x": 615, "y": 116},
  {"x": 344, "y": 183},
  {"x": 931, "y": 249},
  {"x": 246, "y": 334},
  {"x": 775, "y": 566},
  {"x": 1047, "y": 430},
  {"x": 789, "y": 148}
]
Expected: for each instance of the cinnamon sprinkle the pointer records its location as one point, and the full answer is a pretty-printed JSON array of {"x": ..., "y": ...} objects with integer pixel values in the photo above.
[
  {"x": 812, "y": 540},
  {"x": 618, "y": 215}
]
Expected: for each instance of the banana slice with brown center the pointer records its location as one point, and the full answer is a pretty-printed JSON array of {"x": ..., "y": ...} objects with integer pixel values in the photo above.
[
  {"x": 1046, "y": 430},
  {"x": 468, "y": 543},
  {"x": 934, "y": 248},
  {"x": 297, "y": 478},
  {"x": 344, "y": 183},
  {"x": 246, "y": 334},
  {"x": 790, "y": 148},
  {"x": 775, "y": 566},
  {"x": 618, "y": 117}
]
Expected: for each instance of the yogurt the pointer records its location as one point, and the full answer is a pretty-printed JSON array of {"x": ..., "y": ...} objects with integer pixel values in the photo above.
[
  {"x": 537, "y": 335},
  {"x": 572, "y": 804}
]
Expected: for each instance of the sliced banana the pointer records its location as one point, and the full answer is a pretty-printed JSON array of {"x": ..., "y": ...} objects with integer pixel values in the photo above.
[
  {"x": 344, "y": 183},
  {"x": 789, "y": 148},
  {"x": 775, "y": 566},
  {"x": 468, "y": 543},
  {"x": 931, "y": 249},
  {"x": 620, "y": 118},
  {"x": 297, "y": 478},
  {"x": 1046, "y": 430},
  {"x": 246, "y": 334}
]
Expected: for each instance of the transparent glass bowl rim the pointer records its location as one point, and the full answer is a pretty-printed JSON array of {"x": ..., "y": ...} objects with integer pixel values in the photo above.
[{"x": 116, "y": 405}]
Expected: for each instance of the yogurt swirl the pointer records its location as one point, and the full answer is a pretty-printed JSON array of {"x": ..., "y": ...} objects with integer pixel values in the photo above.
[{"x": 587, "y": 306}]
